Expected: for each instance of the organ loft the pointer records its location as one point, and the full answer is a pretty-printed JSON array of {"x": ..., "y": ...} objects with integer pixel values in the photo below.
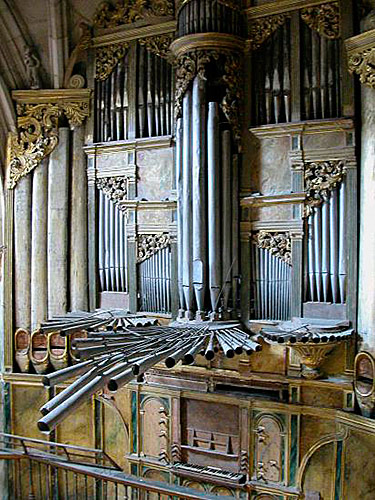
[{"x": 187, "y": 249}]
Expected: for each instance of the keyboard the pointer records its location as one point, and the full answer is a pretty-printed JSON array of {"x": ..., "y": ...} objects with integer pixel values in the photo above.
[{"x": 211, "y": 472}]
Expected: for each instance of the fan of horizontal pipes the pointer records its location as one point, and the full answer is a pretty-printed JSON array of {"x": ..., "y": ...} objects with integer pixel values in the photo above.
[{"x": 116, "y": 348}]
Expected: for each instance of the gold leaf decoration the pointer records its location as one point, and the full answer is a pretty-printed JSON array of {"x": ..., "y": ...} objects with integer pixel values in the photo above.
[
  {"x": 107, "y": 58},
  {"x": 261, "y": 29},
  {"x": 320, "y": 179},
  {"x": 278, "y": 244},
  {"x": 158, "y": 44},
  {"x": 363, "y": 64},
  {"x": 150, "y": 244},
  {"x": 325, "y": 19},
  {"x": 109, "y": 16}
]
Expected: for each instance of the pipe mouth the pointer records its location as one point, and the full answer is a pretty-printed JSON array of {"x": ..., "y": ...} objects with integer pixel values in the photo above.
[
  {"x": 43, "y": 427},
  {"x": 238, "y": 350},
  {"x": 210, "y": 355},
  {"x": 188, "y": 359},
  {"x": 229, "y": 353},
  {"x": 112, "y": 385},
  {"x": 170, "y": 362}
]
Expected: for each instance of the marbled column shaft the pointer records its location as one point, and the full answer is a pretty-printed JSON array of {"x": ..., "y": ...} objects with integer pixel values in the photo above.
[
  {"x": 22, "y": 252},
  {"x": 39, "y": 245},
  {"x": 57, "y": 228},
  {"x": 366, "y": 293},
  {"x": 78, "y": 226}
]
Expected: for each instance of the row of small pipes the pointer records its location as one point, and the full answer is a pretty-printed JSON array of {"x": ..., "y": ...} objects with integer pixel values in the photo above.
[
  {"x": 321, "y": 76},
  {"x": 271, "y": 282},
  {"x": 200, "y": 16},
  {"x": 113, "y": 359},
  {"x": 207, "y": 195},
  {"x": 112, "y": 254},
  {"x": 272, "y": 90},
  {"x": 326, "y": 254},
  {"x": 155, "y": 282},
  {"x": 153, "y": 80}
]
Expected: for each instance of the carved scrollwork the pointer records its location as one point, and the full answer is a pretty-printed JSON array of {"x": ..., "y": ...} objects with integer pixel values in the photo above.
[
  {"x": 231, "y": 103},
  {"x": 278, "y": 244},
  {"x": 363, "y": 63},
  {"x": 320, "y": 179},
  {"x": 158, "y": 44},
  {"x": 325, "y": 19},
  {"x": 107, "y": 58},
  {"x": 149, "y": 244},
  {"x": 261, "y": 29},
  {"x": 109, "y": 16},
  {"x": 115, "y": 188},
  {"x": 38, "y": 134}
]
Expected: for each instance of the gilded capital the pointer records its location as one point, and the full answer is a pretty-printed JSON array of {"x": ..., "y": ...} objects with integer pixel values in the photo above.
[{"x": 361, "y": 56}]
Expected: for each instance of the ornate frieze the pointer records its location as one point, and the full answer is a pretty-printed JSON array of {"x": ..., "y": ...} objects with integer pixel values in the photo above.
[
  {"x": 149, "y": 244},
  {"x": 261, "y": 29},
  {"x": 110, "y": 16},
  {"x": 115, "y": 188},
  {"x": 320, "y": 179},
  {"x": 38, "y": 115},
  {"x": 158, "y": 44},
  {"x": 107, "y": 58},
  {"x": 278, "y": 244},
  {"x": 325, "y": 19},
  {"x": 363, "y": 64}
]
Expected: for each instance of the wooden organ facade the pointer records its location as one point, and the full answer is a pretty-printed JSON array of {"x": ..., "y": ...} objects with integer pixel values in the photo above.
[{"x": 181, "y": 273}]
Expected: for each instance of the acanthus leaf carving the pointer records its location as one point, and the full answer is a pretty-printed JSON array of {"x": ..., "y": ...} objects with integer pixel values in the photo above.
[
  {"x": 115, "y": 188},
  {"x": 109, "y": 16},
  {"x": 38, "y": 134},
  {"x": 320, "y": 179},
  {"x": 325, "y": 19},
  {"x": 261, "y": 29},
  {"x": 278, "y": 244},
  {"x": 231, "y": 103},
  {"x": 107, "y": 58},
  {"x": 149, "y": 244},
  {"x": 363, "y": 64},
  {"x": 158, "y": 44}
]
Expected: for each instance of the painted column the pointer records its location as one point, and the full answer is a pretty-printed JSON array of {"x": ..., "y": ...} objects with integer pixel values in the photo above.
[
  {"x": 78, "y": 226},
  {"x": 57, "y": 227},
  {"x": 39, "y": 245},
  {"x": 22, "y": 252}
]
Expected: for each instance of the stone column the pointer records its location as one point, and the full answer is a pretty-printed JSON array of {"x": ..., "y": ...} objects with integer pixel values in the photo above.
[
  {"x": 78, "y": 226},
  {"x": 22, "y": 252},
  {"x": 57, "y": 227},
  {"x": 39, "y": 245}
]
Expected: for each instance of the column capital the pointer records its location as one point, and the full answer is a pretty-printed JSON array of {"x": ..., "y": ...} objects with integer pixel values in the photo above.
[{"x": 361, "y": 56}]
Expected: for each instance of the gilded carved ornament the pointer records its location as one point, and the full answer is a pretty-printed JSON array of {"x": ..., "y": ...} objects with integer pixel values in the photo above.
[
  {"x": 261, "y": 29},
  {"x": 278, "y": 244},
  {"x": 150, "y": 244},
  {"x": 158, "y": 44},
  {"x": 109, "y": 16},
  {"x": 320, "y": 179},
  {"x": 363, "y": 64},
  {"x": 194, "y": 63},
  {"x": 115, "y": 188},
  {"x": 107, "y": 58},
  {"x": 38, "y": 134},
  {"x": 325, "y": 19}
]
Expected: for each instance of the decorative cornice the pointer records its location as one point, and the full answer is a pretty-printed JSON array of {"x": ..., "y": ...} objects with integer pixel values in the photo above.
[
  {"x": 158, "y": 44},
  {"x": 278, "y": 244},
  {"x": 148, "y": 205},
  {"x": 150, "y": 244},
  {"x": 38, "y": 114},
  {"x": 128, "y": 34},
  {"x": 109, "y": 16},
  {"x": 361, "y": 56},
  {"x": 267, "y": 200},
  {"x": 261, "y": 29},
  {"x": 281, "y": 6},
  {"x": 107, "y": 58},
  {"x": 325, "y": 19},
  {"x": 307, "y": 127},
  {"x": 129, "y": 145},
  {"x": 205, "y": 42},
  {"x": 115, "y": 188},
  {"x": 320, "y": 179}
]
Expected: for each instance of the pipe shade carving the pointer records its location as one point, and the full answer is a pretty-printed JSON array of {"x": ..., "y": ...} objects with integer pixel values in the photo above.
[
  {"x": 149, "y": 244},
  {"x": 107, "y": 59},
  {"x": 115, "y": 188},
  {"x": 278, "y": 244},
  {"x": 158, "y": 44},
  {"x": 325, "y": 19},
  {"x": 38, "y": 119},
  {"x": 262, "y": 29}
]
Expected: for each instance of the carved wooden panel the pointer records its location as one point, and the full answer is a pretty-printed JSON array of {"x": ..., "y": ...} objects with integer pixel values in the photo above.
[
  {"x": 269, "y": 442},
  {"x": 155, "y": 435}
]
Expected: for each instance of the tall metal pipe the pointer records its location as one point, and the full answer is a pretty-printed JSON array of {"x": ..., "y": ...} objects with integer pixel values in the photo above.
[
  {"x": 333, "y": 232},
  {"x": 325, "y": 249},
  {"x": 214, "y": 219},
  {"x": 317, "y": 250},
  {"x": 180, "y": 211},
  {"x": 342, "y": 241},
  {"x": 187, "y": 282},
  {"x": 227, "y": 216},
  {"x": 199, "y": 190}
]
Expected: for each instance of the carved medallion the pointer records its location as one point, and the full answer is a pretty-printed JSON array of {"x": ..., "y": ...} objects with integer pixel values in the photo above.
[
  {"x": 107, "y": 58},
  {"x": 320, "y": 179},
  {"x": 278, "y": 244},
  {"x": 115, "y": 188},
  {"x": 325, "y": 19},
  {"x": 149, "y": 244}
]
